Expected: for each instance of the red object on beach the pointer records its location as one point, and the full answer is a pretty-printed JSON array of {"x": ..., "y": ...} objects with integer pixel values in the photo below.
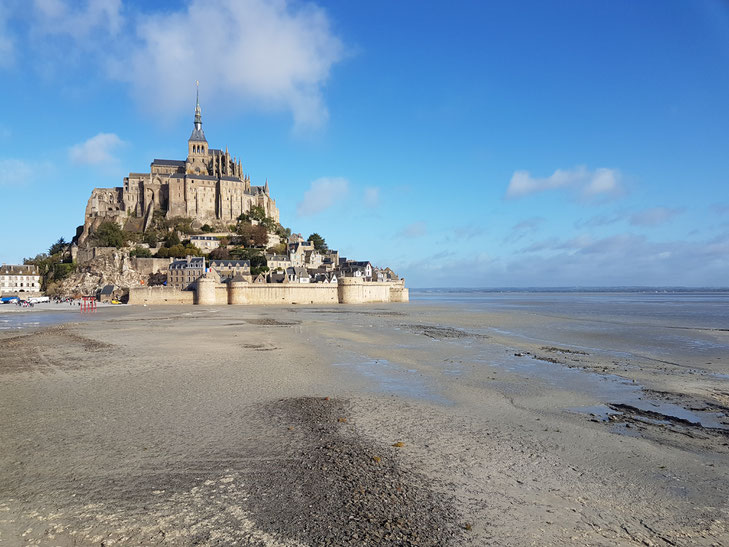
[{"x": 88, "y": 303}]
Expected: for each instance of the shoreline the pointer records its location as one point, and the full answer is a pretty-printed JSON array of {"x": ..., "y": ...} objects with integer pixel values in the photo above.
[{"x": 186, "y": 406}]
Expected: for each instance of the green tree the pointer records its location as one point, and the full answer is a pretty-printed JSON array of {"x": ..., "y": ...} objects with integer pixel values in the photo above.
[
  {"x": 58, "y": 246},
  {"x": 109, "y": 234},
  {"x": 257, "y": 212},
  {"x": 140, "y": 252},
  {"x": 151, "y": 238},
  {"x": 318, "y": 241},
  {"x": 221, "y": 253},
  {"x": 279, "y": 249},
  {"x": 252, "y": 235},
  {"x": 206, "y": 228},
  {"x": 172, "y": 239},
  {"x": 283, "y": 233}
]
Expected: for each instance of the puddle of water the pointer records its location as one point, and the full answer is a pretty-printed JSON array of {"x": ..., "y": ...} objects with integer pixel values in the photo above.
[
  {"x": 25, "y": 320},
  {"x": 606, "y": 388},
  {"x": 393, "y": 378}
]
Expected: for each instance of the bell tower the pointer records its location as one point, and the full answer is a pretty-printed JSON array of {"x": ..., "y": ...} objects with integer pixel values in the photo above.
[{"x": 197, "y": 144}]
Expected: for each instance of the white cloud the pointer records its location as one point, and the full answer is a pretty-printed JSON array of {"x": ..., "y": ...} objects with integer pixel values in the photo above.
[
  {"x": 321, "y": 195},
  {"x": 416, "y": 229},
  {"x": 96, "y": 150},
  {"x": 600, "y": 182},
  {"x": 654, "y": 216},
  {"x": 15, "y": 172},
  {"x": 255, "y": 54},
  {"x": 599, "y": 220},
  {"x": 618, "y": 260},
  {"x": 371, "y": 196},
  {"x": 77, "y": 20},
  {"x": 273, "y": 55}
]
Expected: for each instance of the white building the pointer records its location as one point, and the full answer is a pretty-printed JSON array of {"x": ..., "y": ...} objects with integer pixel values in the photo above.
[
  {"x": 17, "y": 279},
  {"x": 205, "y": 243}
]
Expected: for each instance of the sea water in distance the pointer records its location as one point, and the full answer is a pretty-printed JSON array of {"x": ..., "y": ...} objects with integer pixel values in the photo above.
[{"x": 657, "y": 321}]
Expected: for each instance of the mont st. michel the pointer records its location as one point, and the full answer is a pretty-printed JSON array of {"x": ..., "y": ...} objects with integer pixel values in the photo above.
[{"x": 198, "y": 231}]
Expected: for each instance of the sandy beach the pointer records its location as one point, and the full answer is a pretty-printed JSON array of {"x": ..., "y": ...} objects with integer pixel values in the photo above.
[{"x": 403, "y": 424}]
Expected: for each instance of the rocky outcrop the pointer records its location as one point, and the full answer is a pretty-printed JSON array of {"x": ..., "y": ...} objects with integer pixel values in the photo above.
[{"x": 112, "y": 267}]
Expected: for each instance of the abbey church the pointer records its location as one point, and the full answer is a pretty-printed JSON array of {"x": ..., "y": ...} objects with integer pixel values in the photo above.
[{"x": 209, "y": 187}]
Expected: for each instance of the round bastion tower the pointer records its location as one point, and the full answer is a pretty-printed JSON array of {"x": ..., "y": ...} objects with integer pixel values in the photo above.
[{"x": 197, "y": 145}]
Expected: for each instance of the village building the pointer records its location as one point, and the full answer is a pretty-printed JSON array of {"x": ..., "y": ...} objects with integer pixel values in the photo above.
[
  {"x": 278, "y": 262},
  {"x": 353, "y": 268},
  {"x": 229, "y": 269},
  {"x": 205, "y": 243},
  {"x": 298, "y": 274},
  {"x": 312, "y": 258},
  {"x": 19, "y": 278},
  {"x": 183, "y": 274}
]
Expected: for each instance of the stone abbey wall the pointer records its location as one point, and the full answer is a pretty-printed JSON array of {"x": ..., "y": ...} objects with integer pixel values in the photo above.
[{"x": 210, "y": 293}]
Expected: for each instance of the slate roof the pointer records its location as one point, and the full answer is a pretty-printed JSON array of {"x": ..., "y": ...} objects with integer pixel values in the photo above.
[
  {"x": 174, "y": 163},
  {"x": 230, "y": 263},
  {"x": 197, "y": 262},
  {"x": 197, "y": 135},
  {"x": 23, "y": 269}
]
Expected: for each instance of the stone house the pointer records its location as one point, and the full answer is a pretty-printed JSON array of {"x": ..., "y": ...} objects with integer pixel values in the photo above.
[
  {"x": 276, "y": 262},
  {"x": 353, "y": 268},
  {"x": 205, "y": 243},
  {"x": 228, "y": 269},
  {"x": 298, "y": 274},
  {"x": 19, "y": 278},
  {"x": 183, "y": 274},
  {"x": 312, "y": 258}
]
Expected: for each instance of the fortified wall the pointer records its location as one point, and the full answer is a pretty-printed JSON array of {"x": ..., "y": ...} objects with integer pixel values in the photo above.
[{"x": 211, "y": 293}]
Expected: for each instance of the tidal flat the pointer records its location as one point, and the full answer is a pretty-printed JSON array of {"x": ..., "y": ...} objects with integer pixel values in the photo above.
[{"x": 429, "y": 423}]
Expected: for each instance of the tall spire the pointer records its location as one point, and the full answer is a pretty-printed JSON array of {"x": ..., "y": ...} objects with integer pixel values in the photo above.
[
  {"x": 198, "y": 116},
  {"x": 197, "y": 132}
]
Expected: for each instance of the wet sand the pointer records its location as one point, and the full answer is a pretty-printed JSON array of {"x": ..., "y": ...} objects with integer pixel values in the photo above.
[{"x": 398, "y": 424}]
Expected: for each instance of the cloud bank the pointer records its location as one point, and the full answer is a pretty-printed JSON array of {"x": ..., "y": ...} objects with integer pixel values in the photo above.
[
  {"x": 588, "y": 184},
  {"x": 618, "y": 260},
  {"x": 270, "y": 55},
  {"x": 274, "y": 56},
  {"x": 96, "y": 150},
  {"x": 654, "y": 217},
  {"x": 321, "y": 195},
  {"x": 77, "y": 20},
  {"x": 14, "y": 172}
]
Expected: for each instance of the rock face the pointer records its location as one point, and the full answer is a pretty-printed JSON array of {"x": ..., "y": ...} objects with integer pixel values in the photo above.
[{"x": 112, "y": 267}]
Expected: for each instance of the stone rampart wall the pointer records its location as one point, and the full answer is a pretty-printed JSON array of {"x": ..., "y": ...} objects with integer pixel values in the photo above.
[
  {"x": 159, "y": 296},
  {"x": 87, "y": 254},
  {"x": 294, "y": 293},
  {"x": 148, "y": 266},
  {"x": 210, "y": 293}
]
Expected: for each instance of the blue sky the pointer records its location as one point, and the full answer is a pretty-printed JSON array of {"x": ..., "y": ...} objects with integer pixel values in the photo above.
[{"x": 477, "y": 144}]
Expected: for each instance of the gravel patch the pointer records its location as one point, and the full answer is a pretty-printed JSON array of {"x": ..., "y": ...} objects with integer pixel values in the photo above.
[{"x": 332, "y": 487}]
